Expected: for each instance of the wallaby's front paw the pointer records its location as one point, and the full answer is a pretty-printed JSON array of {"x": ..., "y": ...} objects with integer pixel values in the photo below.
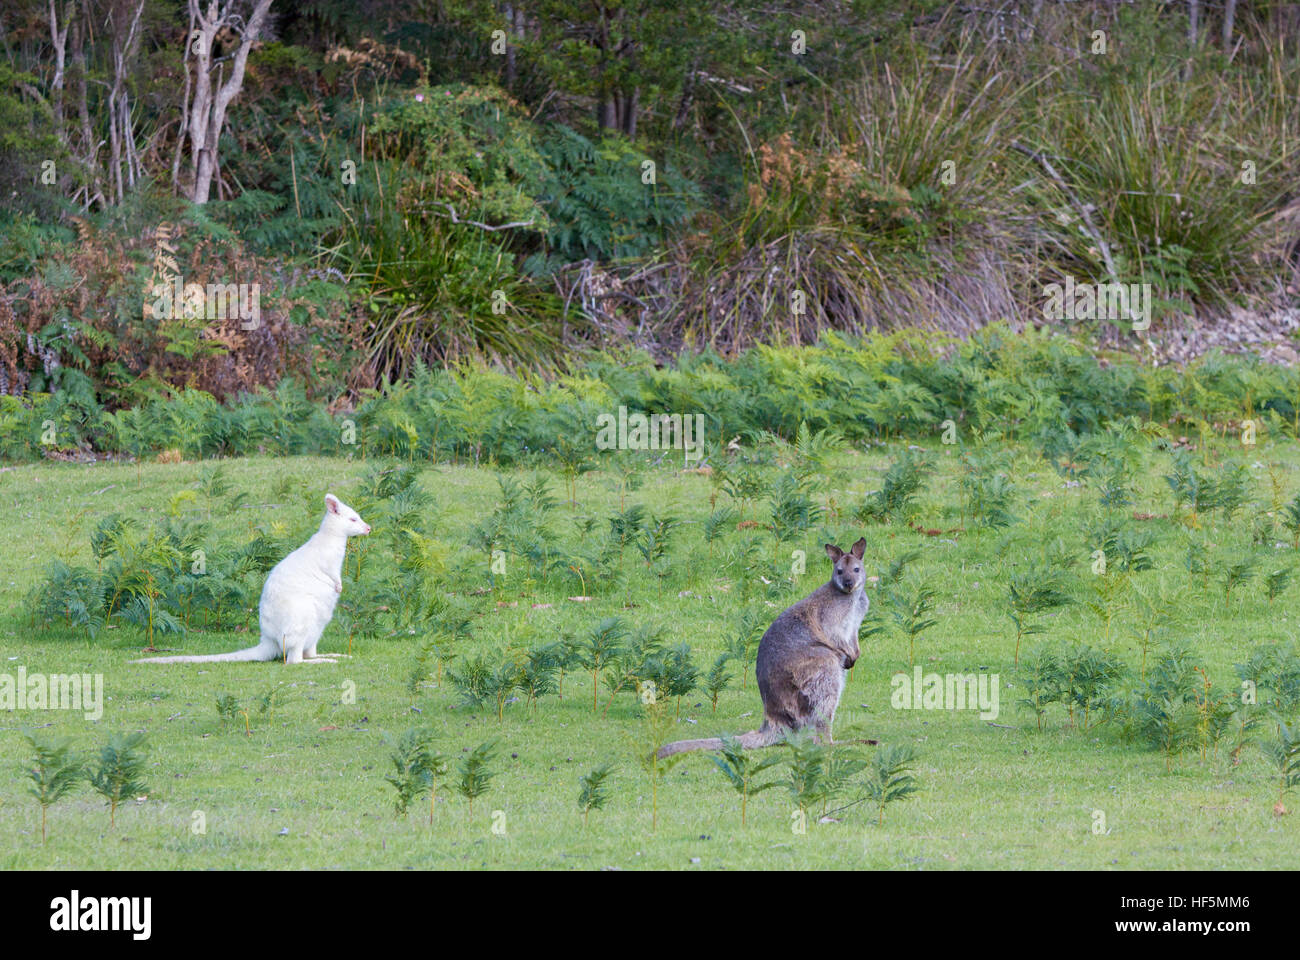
[{"x": 338, "y": 586}]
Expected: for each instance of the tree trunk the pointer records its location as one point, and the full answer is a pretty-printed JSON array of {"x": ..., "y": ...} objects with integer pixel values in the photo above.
[
  {"x": 89, "y": 152},
  {"x": 184, "y": 126},
  {"x": 510, "y": 49},
  {"x": 59, "y": 39},
  {"x": 1229, "y": 15},
  {"x": 607, "y": 113},
  {"x": 208, "y": 112},
  {"x": 121, "y": 136},
  {"x": 687, "y": 99},
  {"x": 630, "y": 104}
]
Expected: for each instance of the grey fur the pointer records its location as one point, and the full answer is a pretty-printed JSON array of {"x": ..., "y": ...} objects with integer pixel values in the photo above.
[{"x": 803, "y": 656}]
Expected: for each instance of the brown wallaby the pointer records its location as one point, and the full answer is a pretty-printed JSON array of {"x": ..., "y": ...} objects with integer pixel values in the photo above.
[{"x": 802, "y": 658}]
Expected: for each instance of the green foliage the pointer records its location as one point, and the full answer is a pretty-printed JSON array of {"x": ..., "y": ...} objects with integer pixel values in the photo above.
[
  {"x": 654, "y": 730},
  {"x": 1161, "y": 709},
  {"x": 417, "y": 768},
  {"x": 890, "y": 777},
  {"x": 485, "y": 415},
  {"x": 1035, "y": 591},
  {"x": 1200, "y": 492},
  {"x": 902, "y": 483},
  {"x": 119, "y": 773},
  {"x": 1040, "y": 677},
  {"x": 911, "y": 612},
  {"x": 474, "y": 773},
  {"x": 793, "y": 510},
  {"x": 680, "y": 675},
  {"x": 742, "y": 768},
  {"x": 817, "y": 772},
  {"x": 988, "y": 493},
  {"x": 743, "y": 644},
  {"x": 603, "y": 645},
  {"x": 1284, "y": 754},
  {"x": 229, "y": 708},
  {"x": 717, "y": 679},
  {"x": 54, "y": 771},
  {"x": 594, "y": 792},
  {"x": 1086, "y": 679},
  {"x": 598, "y": 206},
  {"x": 1237, "y": 572}
]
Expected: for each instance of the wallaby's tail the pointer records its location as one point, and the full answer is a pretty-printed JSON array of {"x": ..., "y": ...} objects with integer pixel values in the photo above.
[
  {"x": 755, "y": 738},
  {"x": 259, "y": 652}
]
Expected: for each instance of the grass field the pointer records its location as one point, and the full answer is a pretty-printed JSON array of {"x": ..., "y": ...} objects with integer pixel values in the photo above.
[{"x": 306, "y": 787}]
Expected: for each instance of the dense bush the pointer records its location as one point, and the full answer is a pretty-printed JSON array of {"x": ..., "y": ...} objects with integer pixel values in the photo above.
[{"x": 1045, "y": 390}]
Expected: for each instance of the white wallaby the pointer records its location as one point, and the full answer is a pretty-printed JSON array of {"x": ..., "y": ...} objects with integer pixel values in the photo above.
[{"x": 299, "y": 595}]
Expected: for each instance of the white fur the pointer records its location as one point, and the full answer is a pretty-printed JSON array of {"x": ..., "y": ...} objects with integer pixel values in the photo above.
[{"x": 299, "y": 595}]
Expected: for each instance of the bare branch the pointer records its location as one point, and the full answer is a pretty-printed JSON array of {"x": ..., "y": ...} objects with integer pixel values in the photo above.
[{"x": 481, "y": 226}]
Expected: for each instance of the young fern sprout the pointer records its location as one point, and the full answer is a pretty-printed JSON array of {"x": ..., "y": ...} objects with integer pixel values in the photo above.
[
  {"x": 539, "y": 671},
  {"x": 793, "y": 511},
  {"x": 593, "y": 792},
  {"x": 474, "y": 774},
  {"x": 717, "y": 679},
  {"x": 654, "y": 730},
  {"x": 54, "y": 770},
  {"x": 228, "y": 708},
  {"x": 893, "y": 574},
  {"x": 890, "y": 778},
  {"x": 603, "y": 645},
  {"x": 120, "y": 771},
  {"x": 1034, "y": 591},
  {"x": 742, "y": 767},
  {"x": 816, "y": 771},
  {"x": 1284, "y": 752},
  {"x": 903, "y": 481},
  {"x": 1236, "y": 574},
  {"x": 410, "y": 759},
  {"x": 716, "y": 524},
  {"x": 504, "y": 679},
  {"x": 1042, "y": 678},
  {"x": 744, "y": 643},
  {"x": 435, "y": 768},
  {"x": 911, "y": 613},
  {"x": 1164, "y": 706},
  {"x": 1276, "y": 583},
  {"x": 277, "y": 694},
  {"x": 681, "y": 676},
  {"x": 638, "y": 660},
  {"x": 1291, "y": 520}
]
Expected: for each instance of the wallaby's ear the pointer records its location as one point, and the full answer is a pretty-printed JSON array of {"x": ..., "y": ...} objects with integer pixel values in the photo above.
[
  {"x": 858, "y": 547},
  {"x": 331, "y": 503},
  {"x": 834, "y": 552}
]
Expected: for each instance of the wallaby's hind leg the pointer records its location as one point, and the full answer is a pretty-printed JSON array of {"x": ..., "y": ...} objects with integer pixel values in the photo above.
[
  {"x": 818, "y": 688},
  {"x": 309, "y": 653},
  {"x": 825, "y": 728},
  {"x": 295, "y": 646}
]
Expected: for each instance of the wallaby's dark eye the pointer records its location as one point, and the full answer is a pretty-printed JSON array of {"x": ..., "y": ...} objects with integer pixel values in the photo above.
[{"x": 857, "y": 569}]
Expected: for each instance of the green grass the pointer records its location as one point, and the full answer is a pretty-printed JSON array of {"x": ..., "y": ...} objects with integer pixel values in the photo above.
[{"x": 990, "y": 796}]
